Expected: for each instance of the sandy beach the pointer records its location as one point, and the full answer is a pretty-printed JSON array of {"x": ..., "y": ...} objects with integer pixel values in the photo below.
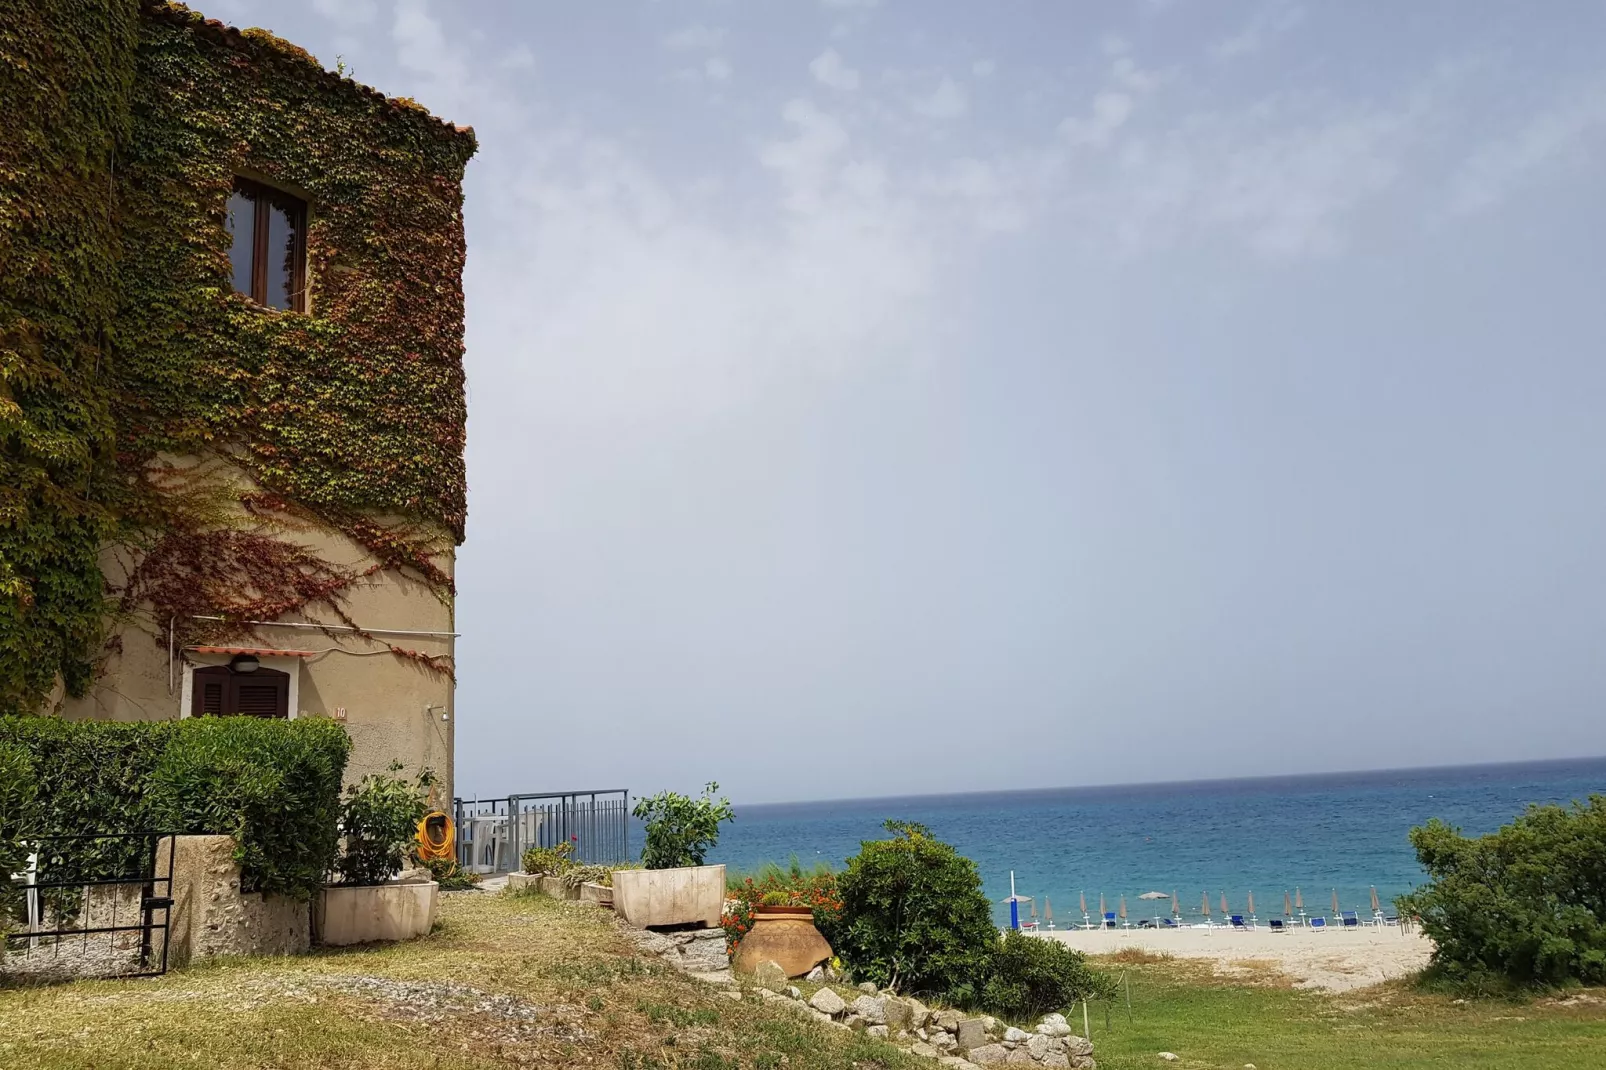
[{"x": 1335, "y": 960}]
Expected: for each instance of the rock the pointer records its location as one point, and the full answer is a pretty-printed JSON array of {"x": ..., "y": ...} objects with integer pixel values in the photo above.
[
  {"x": 793, "y": 992},
  {"x": 972, "y": 1033},
  {"x": 816, "y": 975},
  {"x": 1169, "y": 1056},
  {"x": 831, "y": 973},
  {"x": 1056, "y": 1058},
  {"x": 1053, "y": 1019},
  {"x": 1015, "y": 1036},
  {"x": 943, "y": 1041},
  {"x": 988, "y": 1054},
  {"x": 919, "y": 1013},
  {"x": 1039, "y": 1045},
  {"x": 770, "y": 975},
  {"x": 1249, "y": 1066},
  {"x": 957, "y": 1063},
  {"x": 853, "y": 1021},
  {"x": 828, "y": 1002},
  {"x": 871, "y": 1009},
  {"x": 924, "y": 1050},
  {"x": 1077, "y": 1047},
  {"x": 898, "y": 1014},
  {"x": 731, "y": 993},
  {"x": 867, "y": 988},
  {"x": 1020, "y": 1056},
  {"x": 1084, "y": 1062},
  {"x": 948, "y": 1021},
  {"x": 989, "y": 1023},
  {"x": 1051, "y": 1028},
  {"x": 876, "y": 1031}
]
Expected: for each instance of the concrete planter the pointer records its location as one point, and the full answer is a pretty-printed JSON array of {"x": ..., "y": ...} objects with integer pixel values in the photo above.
[
  {"x": 600, "y": 894},
  {"x": 381, "y": 912},
  {"x": 783, "y": 935},
  {"x": 212, "y": 918},
  {"x": 693, "y": 895}
]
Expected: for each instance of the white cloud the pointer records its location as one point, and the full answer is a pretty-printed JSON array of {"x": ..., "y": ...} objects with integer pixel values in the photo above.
[
  {"x": 983, "y": 68},
  {"x": 1267, "y": 24},
  {"x": 1548, "y": 139},
  {"x": 717, "y": 69},
  {"x": 1109, "y": 111},
  {"x": 696, "y": 38},
  {"x": 948, "y": 101},
  {"x": 829, "y": 69},
  {"x": 351, "y": 12}
]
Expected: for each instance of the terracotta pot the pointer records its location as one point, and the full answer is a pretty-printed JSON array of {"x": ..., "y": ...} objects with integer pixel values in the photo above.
[{"x": 785, "y": 936}]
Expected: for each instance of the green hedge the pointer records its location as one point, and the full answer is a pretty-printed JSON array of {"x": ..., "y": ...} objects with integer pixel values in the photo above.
[
  {"x": 273, "y": 785},
  {"x": 16, "y": 797}
]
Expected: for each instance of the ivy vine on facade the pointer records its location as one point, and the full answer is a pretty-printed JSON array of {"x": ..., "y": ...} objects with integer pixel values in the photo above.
[{"x": 231, "y": 380}]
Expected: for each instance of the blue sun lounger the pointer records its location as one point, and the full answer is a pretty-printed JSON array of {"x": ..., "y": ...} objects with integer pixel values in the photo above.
[
  {"x": 1350, "y": 920},
  {"x": 1109, "y": 919},
  {"x": 1238, "y": 923},
  {"x": 1319, "y": 924},
  {"x": 1277, "y": 925}
]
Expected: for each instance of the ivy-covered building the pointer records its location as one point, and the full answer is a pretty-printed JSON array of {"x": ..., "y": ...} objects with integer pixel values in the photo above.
[{"x": 231, "y": 381}]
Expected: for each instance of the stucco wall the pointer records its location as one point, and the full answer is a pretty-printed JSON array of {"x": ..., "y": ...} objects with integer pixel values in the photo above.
[
  {"x": 384, "y": 697},
  {"x": 212, "y": 918}
]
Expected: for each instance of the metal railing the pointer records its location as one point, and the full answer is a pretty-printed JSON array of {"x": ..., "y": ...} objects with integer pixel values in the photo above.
[
  {"x": 493, "y": 834},
  {"x": 87, "y": 907}
]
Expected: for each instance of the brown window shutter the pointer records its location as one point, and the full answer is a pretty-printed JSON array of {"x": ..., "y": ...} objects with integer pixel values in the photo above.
[
  {"x": 212, "y": 697},
  {"x": 261, "y": 698}
]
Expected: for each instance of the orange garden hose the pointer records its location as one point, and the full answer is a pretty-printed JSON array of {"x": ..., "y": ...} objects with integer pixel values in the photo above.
[{"x": 436, "y": 838}]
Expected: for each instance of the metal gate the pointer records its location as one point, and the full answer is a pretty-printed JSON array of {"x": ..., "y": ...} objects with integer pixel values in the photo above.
[
  {"x": 90, "y": 906},
  {"x": 493, "y": 834}
]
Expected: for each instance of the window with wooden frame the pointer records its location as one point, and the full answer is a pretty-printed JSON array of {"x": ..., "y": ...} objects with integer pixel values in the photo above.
[
  {"x": 220, "y": 691},
  {"x": 268, "y": 228}
]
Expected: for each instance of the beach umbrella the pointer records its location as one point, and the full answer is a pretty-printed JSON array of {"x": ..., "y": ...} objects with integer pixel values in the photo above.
[
  {"x": 1152, "y": 895},
  {"x": 1299, "y": 900},
  {"x": 1048, "y": 909},
  {"x": 1375, "y": 908},
  {"x": 1288, "y": 906},
  {"x": 1204, "y": 905},
  {"x": 1224, "y": 908},
  {"x": 1103, "y": 910},
  {"x": 1084, "y": 904},
  {"x": 1251, "y": 902},
  {"x": 1122, "y": 912},
  {"x": 1175, "y": 913},
  {"x": 1335, "y": 903}
]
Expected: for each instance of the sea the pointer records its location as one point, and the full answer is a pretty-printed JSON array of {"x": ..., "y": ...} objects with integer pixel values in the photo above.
[{"x": 1311, "y": 836}]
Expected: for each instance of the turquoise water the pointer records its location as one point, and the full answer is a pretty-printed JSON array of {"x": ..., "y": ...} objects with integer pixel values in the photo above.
[{"x": 1343, "y": 832}]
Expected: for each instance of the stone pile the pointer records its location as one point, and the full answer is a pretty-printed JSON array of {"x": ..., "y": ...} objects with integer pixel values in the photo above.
[{"x": 946, "y": 1035}]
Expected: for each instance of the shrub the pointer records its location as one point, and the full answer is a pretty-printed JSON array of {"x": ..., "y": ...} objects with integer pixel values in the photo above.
[
  {"x": 914, "y": 917},
  {"x": 680, "y": 829},
  {"x": 380, "y": 821},
  {"x": 273, "y": 785},
  {"x": 1525, "y": 905},
  {"x": 16, "y": 800},
  {"x": 1029, "y": 977},
  {"x": 549, "y": 861},
  {"x": 450, "y": 876}
]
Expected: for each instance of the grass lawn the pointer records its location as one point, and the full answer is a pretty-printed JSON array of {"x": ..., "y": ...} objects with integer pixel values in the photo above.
[
  {"x": 528, "y": 981},
  {"x": 504, "y": 982},
  {"x": 1178, "y": 1006}
]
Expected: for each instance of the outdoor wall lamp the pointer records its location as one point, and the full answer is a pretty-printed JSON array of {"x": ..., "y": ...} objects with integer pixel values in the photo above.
[{"x": 244, "y": 663}]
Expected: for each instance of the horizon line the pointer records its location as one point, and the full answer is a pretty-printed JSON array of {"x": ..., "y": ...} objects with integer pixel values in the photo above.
[{"x": 1178, "y": 783}]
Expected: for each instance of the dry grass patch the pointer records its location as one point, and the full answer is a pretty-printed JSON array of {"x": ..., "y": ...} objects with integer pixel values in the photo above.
[{"x": 503, "y": 982}]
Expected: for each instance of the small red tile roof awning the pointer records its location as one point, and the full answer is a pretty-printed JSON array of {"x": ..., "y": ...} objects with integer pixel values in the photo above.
[{"x": 261, "y": 652}]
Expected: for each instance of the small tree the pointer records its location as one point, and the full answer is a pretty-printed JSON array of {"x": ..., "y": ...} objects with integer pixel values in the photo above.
[
  {"x": 380, "y": 821},
  {"x": 680, "y": 829},
  {"x": 1524, "y": 905},
  {"x": 914, "y": 916}
]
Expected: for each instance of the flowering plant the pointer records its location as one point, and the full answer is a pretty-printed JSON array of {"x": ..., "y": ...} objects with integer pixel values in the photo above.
[{"x": 775, "y": 886}]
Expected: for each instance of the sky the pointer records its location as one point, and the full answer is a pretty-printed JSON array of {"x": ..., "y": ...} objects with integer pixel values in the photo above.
[{"x": 875, "y": 397}]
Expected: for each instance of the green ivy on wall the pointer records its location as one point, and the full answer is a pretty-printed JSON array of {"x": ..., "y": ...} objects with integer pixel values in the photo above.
[{"x": 123, "y": 345}]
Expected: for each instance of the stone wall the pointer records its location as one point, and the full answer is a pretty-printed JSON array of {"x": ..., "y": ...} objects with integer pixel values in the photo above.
[{"x": 211, "y": 917}]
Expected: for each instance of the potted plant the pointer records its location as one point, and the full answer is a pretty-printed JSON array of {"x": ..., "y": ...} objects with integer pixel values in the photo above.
[
  {"x": 379, "y": 821},
  {"x": 782, "y": 932},
  {"x": 674, "y": 887}
]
